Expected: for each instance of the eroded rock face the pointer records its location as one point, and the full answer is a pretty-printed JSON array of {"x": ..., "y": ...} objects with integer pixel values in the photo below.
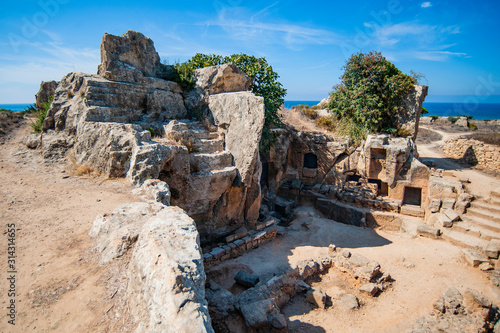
[
  {"x": 133, "y": 49},
  {"x": 242, "y": 127},
  {"x": 47, "y": 89},
  {"x": 412, "y": 104},
  {"x": 215, "y": 80},
  {"x": 128, "y": 121},
  {"x": 166, "y": 288},
  {"x": 167, "y": 284}
]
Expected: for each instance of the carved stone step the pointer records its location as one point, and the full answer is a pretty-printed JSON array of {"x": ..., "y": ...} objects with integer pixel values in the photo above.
[
  {"x": 484, "y": 214},
  {"x": 486, "y": 207},
  {"x": 464, "y": 240},
  {"x": 205, "y": 161},
  {"x": 483, "y": 223}
]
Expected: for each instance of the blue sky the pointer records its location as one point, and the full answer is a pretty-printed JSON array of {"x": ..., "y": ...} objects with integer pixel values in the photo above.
[{"x": 453, "y": 43}]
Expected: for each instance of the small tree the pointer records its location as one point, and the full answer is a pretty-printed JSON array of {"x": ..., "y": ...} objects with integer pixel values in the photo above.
[
  {"x": 369, "y": 95},
  {"x": 265, "y": 84}
]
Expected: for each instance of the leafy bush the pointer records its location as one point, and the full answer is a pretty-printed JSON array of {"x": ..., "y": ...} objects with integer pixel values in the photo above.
[
  {"x": 472, "y": 126},
  {"x": 309, "y": 113},
  {"x": 265, "y": 83},
  {"x": 40, "y": 115},
  {"x": 452, "y": 119},
  {"x": 424, "y": 111},
  {"x": 325, "y": 122},
  {"x": 369, "y": 95},
  {"x": 434, "y": 117}
]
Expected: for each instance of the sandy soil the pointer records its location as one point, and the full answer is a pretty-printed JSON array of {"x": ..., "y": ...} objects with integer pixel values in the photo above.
[{"x": 60, "y": 287}]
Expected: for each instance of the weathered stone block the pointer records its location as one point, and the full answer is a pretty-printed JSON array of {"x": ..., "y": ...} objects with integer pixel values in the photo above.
[
  {"x": 434, "y": 205},
  {"x": 452, "y": 215},
  {"x": 317, "y": 297},
  {"x": 448, "y": 203},
  {"x": 444, "y": 221},
  {"x": 492, "y": 249},
  {"x": 246, "y": 279},
  {"x": 428, "y": 231},
  {"x": 473, "y": 257},
  {"x": 370, "y": 288},
  {"x": 348, "y": 302}
]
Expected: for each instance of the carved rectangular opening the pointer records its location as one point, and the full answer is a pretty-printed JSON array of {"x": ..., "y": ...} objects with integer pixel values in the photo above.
[
  {"x": 412, "y": 196},
  {"x": 353, "y": 178},
  {"x": 377, "y": 162},
  {"x": 310, "y": 161},
  {"x": 383, "y": 189},
  {"x": 378, "y": 153}
]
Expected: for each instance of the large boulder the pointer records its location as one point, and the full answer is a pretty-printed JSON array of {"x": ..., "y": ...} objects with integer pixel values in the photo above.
[
  {"x": 167, "y": 279},
  {"x": 241, "y": 116},
  {"x": 166, "y": 289},
  {"x": 215, "y": 80},
  {"x": 412, "y": 105},
  {"x": 47, "y": 89},
  {"x": 132, "y": 49}
]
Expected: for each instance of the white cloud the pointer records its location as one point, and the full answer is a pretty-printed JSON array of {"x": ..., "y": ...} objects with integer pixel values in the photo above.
[
  {"x": 426, "y": 4},
  {"x": 438, "y": 55},
  {"x": 239, "y": 25}
]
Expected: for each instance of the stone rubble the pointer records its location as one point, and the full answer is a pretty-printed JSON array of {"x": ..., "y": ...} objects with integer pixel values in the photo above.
[{"x": 457, "y": 312}]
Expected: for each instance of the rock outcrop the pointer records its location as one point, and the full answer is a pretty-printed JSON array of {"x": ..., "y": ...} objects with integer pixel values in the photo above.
[
  {"x": 130, "y": 121},
  {"x": 47, "y": 89},
  {"x": 167, "y": 284},
  {"x": 412, "y": 106},
  {"x": 166, "y": 288}
]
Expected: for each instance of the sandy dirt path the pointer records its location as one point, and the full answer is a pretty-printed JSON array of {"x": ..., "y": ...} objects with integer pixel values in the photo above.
[
  {"x": 481, "y": 183},
  {"x": 59, "y": 285}
]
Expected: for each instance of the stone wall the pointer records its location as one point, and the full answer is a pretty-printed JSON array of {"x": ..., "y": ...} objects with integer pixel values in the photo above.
[{"x": 473, "y": 152}]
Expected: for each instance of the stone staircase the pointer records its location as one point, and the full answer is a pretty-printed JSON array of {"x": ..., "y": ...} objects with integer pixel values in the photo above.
[
  {"x": 479, "y": 225},
  {"x": 206, "y": 148}
]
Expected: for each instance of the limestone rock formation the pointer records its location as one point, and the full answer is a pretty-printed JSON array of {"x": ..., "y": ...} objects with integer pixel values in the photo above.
[
  {"x": 166, "y": 288},
  {"x": 412, "y": 105},
  {"x": 167, "y": 284},
  {"x": 47, "y": 89},
  {"x": 214, "y": 80},
  {"x": 129, "y": 121},
  {"x": 132, "y": 51}
]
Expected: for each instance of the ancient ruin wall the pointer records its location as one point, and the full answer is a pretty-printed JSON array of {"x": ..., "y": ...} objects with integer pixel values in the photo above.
[{"x": 473, "y": 152}]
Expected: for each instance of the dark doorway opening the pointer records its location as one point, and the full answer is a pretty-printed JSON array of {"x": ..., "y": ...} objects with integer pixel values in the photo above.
[
  {"x": 412, "y": 196},
  {"x": 310, "y": 161}
]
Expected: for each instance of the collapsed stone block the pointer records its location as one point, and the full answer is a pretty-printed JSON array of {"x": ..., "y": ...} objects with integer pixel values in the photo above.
[
  {"x": 473, "y": 257},
  {"x": 317, "y": 297},
  {"x": 246, "y": 279},
  {"x": 428, "y": 231}
]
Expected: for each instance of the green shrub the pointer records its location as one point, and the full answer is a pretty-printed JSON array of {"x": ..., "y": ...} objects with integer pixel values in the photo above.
[
  {"x": 153, "y": 132},
  {"x": 424, "y": 111},
  {"x": 434, "y": 117},
  {"x": 325, "y": 122},
  {"x": 472, "y": 126},
  {"x": 369, "y": 95},
  {"x": 29, "y": 110},
  {"x": 452, "y": 119},
  {"x": 265, "y": 83},
  {"x": 309, "y": 113},
  {"x": 40, "y": 115}
]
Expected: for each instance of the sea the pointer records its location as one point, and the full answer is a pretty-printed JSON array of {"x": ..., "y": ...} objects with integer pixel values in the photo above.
[{"x": 480, "y": 111}]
